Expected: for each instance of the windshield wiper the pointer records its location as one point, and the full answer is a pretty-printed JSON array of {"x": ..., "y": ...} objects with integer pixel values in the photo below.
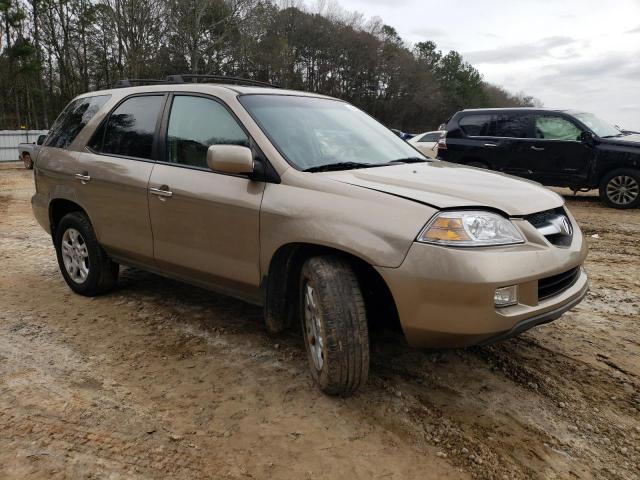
[
  {"x": 338, "y": 166},
  {"x": 409, "y": 160}
]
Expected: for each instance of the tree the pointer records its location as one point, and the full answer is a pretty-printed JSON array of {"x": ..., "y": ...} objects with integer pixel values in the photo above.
[{"x": 52, "y": 50}]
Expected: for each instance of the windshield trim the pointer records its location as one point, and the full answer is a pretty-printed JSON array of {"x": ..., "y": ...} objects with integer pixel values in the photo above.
[
  {"x": 321, "y": 97},
  {"x": 578, "y": 117}
]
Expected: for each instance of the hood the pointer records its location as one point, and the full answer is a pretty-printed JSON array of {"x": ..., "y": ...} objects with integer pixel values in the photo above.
[
  {"x": 448, "y": 185},
  {"x": 632, "y": 140}
]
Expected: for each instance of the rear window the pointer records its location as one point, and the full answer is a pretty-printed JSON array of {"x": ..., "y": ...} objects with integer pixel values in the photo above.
[
  {"x": 476, "y": 125},
  {"x": 73, "y": 119}
]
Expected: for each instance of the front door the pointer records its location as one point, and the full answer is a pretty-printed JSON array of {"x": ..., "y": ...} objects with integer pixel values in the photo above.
[
  {"x": 556, "y": 154},
  {"x": 205, "y": 224}
]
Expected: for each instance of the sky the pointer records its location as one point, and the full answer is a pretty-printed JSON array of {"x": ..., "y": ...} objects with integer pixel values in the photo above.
[{"x": 580, "y": 54}]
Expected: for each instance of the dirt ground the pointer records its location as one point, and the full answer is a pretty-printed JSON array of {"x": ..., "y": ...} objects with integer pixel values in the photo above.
[{"x": 163, "y": 380}]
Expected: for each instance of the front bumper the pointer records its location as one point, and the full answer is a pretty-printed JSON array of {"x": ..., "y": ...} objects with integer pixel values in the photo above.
[{"x": 444, "y": 296}]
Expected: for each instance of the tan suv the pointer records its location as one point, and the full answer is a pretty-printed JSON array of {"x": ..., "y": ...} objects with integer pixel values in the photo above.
[{"x": 309, "y": 207}]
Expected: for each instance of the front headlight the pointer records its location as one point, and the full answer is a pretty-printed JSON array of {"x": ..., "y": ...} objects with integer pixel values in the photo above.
[{"x": 470, "y": 229}]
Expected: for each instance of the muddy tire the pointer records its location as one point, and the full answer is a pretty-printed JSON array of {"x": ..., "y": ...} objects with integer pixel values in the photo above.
[
  {"x": 334, "y": 325},
  {"x": 84, "y": 264},
  {"x": 28, "y": 162},
  {"x": 621, "y": 188}
]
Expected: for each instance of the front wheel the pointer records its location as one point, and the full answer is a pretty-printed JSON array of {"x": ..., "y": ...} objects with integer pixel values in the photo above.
[
  {"x": 84, "y": 264},
  {"x": 621, "y": 188},
  {"x": 334, "y": 325}
]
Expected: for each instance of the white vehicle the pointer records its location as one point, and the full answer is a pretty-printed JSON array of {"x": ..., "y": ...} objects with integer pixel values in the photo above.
[
  {"x": 427, "y": 143},
  {"x": 27, "y": 152}
]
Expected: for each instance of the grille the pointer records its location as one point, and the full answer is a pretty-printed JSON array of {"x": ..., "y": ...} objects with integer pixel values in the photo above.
[
  {"x": 549, "y": 224},
  {"x": 541, "y": 218},
  {"x": 556, "y": 284}
]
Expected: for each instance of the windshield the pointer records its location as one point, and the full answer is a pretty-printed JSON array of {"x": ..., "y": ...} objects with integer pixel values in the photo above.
[
  {"x": 311, "y": 132},
  {"x": 598, "y": 126}
]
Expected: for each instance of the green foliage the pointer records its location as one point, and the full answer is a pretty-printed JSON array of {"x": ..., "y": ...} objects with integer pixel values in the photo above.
[{"x": 57, "y": 49}]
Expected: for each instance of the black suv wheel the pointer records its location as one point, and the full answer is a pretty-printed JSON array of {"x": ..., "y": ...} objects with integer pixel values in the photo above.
[{"x": 621, "y": 188}]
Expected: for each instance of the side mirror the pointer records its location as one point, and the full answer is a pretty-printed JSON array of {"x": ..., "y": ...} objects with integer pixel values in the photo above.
[
  {"x": 40, "y": 140},
  {"x": 234, "y": 159},
  {"x": 588, "y": 138}
]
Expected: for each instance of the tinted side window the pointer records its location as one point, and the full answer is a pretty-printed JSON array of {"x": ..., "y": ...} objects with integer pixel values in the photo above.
[
  {"x": 195, "y": 123},
  {"x": 553, "y": 127},
  {"x": 130, "y": 128},
  {"x": 515, "y": 125},
  {"x": 73, "y": 119},
  {"x": 476, "y": 125}
]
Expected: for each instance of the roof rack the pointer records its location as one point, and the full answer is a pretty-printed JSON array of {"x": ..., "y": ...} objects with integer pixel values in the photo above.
[
  {"x": 131, "y": 82},
  {"x": 194, "y": 78}
]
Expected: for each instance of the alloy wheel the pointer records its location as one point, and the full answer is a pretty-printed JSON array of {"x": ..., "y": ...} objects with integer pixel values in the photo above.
[
  {"x": 623, "y": 189},
  {"x": 75, "y": 255},
  {"x": 312, "y": 326}
]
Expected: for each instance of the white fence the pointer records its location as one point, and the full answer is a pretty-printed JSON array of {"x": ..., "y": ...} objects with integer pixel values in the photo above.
[{"x": 9, "y": 140}]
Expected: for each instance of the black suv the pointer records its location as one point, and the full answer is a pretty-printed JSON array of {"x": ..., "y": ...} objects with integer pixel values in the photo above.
[{"x": 561, "y": 148}]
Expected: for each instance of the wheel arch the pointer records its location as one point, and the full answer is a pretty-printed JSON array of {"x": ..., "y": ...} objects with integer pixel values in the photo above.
[
  {"x": 58, "y": 208},
  {"x": 280, "y": 286}
]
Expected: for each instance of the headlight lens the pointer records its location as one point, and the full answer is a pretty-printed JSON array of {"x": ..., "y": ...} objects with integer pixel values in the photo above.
[{"x": 470, "y": 229}]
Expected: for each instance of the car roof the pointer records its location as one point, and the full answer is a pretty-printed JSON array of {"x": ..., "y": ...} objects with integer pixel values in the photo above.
[
  {"x": 520, "y": 109},
  {"x": 210, "y": 88}
]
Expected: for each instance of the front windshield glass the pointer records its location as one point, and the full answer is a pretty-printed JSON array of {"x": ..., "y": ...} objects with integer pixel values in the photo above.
[
  {"x": 598, "y": 126},
  {"x": 312, "y": 132}
]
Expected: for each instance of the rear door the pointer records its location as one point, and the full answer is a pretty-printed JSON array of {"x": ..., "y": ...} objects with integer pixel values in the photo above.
[
  {"x": 557, "y": 156},
  {"x": 205, "y": 224},
  {"x": 513, "y": 132},
  {"x": 114, "y": 172},
  {"x": 475, "y": 141}
]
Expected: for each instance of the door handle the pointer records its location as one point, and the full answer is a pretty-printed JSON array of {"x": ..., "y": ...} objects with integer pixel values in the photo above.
[
  {"x": 490, "y": 144},
  {"x": 84, "y": 177},
  {"x": 537, "y": 149},
  {"x": 162, "y": 192}
]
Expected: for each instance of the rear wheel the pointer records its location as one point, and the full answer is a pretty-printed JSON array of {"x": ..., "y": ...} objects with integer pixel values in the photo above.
[
  {"x": 28, "y": 162},
  {"x": 84, "y": 264},
  {"x": 334, "y": 324},
  {"x": 621, "y": 188}
]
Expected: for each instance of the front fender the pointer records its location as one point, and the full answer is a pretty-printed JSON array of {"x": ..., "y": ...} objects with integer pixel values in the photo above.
[{"x": 373, "y": 226}]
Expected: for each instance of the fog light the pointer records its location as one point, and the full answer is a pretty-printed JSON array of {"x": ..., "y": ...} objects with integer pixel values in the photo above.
[{"x": 506, "y": 296}]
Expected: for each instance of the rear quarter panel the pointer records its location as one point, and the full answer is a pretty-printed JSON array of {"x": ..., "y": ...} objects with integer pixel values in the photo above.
[{"x": 54, "y": 179}]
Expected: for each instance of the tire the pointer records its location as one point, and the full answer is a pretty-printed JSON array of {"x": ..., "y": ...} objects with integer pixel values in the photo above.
[
  {"x": 84, "y": 264},
  {"x": 337, "y": 342},
  {"x": 621, "y": 188},
  {"x": 477, "y": 164},
  {"x": 28, "y": 162}
]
